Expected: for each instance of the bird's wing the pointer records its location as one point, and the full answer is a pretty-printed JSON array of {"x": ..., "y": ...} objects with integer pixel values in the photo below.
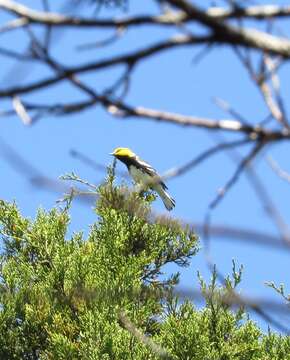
[{"x": 143, "y": 165}]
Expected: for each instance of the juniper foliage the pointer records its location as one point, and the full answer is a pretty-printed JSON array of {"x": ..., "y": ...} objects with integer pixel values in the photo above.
[{"x": 61, "y": 296}]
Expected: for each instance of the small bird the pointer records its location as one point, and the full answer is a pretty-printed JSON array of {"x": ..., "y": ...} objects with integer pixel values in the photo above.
[{"x": 144, "y": 174}]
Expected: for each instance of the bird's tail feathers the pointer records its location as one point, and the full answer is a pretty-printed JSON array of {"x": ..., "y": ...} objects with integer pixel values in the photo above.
[{"x": 168, "y": 201}]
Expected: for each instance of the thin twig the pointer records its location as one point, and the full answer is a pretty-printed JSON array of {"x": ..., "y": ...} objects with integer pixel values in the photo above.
[
  {"x": 278, "y": 170},
  {"x": 144, "y": 339},
  {"x": 14, "y": 24},
  {"x": 21, "y": 111},
  {"x": 222, "y": 192},
  {"x": 263, "y": 195},
  {"x": 171, "y": 173},
  {"x": 102, "y": 43}
]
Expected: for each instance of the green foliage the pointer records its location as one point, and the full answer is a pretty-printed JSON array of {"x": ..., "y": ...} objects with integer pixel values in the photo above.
[
  {"x": 61, "y": 296},
  {"x": 279, "y": 290},
  {"x": 217, "y": 333}
]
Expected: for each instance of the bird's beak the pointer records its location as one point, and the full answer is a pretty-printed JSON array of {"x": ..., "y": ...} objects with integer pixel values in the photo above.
[{"x": 112, "y": 154}]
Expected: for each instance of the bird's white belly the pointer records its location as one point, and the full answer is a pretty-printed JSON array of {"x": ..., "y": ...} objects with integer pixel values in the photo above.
[{"x": 140, "y": 177}]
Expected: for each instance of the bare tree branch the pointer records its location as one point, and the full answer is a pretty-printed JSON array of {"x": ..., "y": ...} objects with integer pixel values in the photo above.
[
  {"x": 155, "y": 348},
  {"x": 14, "y": 24},
  {"x": 262, "y": 193},
  {"x": 124, "y": 59},
  {"x": 259, "y": 12},
  {"x": 222, "y": 192},
  {"x": 278, "y": 170},
  {"x": 171, "y": 173},
  {"x": 233, "y": 35},
  {"x": 21, "y": 111}
]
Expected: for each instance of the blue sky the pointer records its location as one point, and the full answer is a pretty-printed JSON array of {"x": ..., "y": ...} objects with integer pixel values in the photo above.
[{"x": 172, "y": 82}]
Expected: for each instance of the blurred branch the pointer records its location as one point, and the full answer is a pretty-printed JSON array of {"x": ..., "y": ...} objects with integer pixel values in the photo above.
[
  {"x": 262, "y": 193},
  {"x": 226, "y": 107},
  {"x": 119, "y": 108},
  {"x": 14, "y": 24},
  {"x": 251, "y": 38},
  {"x": 243, "y": 164},
  {"x": 259, "y": 12},
  {"x": 171, "y": 173},
  {"x": 15, "y": 55},
  {"x": 238, "y": 298},
  {"x": 34, "y": 176},
  {"x": 245, "y": 236},
  {"x": 207, "y": 224},
  {"x": 232, "y": 300},
  {"x": 123, "y": 110},
  {"x": 47, "y": 35},
  {"x": 93, "y": 164},
  {"x": 128, "y": 59},
  {"x": 102, "y": 43},
  {"x": 21, "y": 111},
  {"x": 55, "y": 19},
  {"x": 260, "y": 79},
  {"x": 278, "y": 170},
  {"x": 155, "y": 348}
]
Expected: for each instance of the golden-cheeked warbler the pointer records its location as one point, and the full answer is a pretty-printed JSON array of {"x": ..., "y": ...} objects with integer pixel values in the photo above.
[{"x": 144, "y": 174}]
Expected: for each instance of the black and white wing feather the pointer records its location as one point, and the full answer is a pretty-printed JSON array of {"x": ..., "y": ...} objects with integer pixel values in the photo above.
[
  {"x": 148, "y": 169},
  {"x": 144, "y": 172}
]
